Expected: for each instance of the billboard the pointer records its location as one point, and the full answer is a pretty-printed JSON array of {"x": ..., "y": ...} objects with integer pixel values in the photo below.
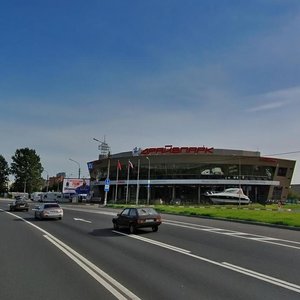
[{"x": 78, "y": 186}]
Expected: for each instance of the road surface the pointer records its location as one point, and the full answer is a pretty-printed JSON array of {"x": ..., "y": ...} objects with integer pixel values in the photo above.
[{"x": 82, "y": 257}]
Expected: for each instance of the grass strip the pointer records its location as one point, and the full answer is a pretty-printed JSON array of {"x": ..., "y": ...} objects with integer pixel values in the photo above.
[{"x": 287, "y": 216}]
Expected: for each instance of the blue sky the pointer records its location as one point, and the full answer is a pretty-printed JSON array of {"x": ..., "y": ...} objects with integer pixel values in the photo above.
[{"x": 219, "y": 73}]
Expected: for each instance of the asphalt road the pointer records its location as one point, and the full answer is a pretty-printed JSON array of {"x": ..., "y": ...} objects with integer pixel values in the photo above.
[{"x": 82, "y": 257}]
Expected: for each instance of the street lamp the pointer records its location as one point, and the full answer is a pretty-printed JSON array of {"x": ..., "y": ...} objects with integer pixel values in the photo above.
[
  {"x": 103, "y": 147},
  {"x": 148, "y": 192},
  {"x": 105, "y": 152},
  {"x": 47, "y": 185},
  {"x": 77, "y": 164},
  {"x": 240, "y": 182}
]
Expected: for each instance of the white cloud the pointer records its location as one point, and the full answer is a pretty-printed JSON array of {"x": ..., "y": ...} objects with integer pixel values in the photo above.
[
  {"x": 267, "y": 106},
  {"x": 275, "y": 100}
]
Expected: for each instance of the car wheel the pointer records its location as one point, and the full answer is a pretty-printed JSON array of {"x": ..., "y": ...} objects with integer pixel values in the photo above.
[
  {"x": 154, "y": 228},
  {"x": 116, "y": 226},
  {"x": 132, "y": 228}
]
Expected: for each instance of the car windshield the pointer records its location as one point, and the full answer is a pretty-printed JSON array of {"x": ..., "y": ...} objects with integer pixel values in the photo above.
[
  {"x": 146, "y": 211},
  {"x": 54, "y": 205}
]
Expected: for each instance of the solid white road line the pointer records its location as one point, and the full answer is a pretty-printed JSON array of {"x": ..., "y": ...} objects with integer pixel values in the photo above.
[
  {"x": 103, "y": 278},
  {"x": 259, "y": 276},
  {"x": 237, "y": 234},
  {"x": 85, "y": 264},
  {"x": 113, "y": 286},
  {"x": 163, "y": 245}
]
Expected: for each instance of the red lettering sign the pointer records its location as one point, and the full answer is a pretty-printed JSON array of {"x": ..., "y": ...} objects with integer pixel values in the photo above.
[
  {"x": 177, "y": 150},
  {"x": 268, "y": 159}
]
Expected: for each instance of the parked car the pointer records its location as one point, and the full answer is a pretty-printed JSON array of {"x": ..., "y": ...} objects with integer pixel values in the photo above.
[
  {"x": 48, "y": 211},
  {"x": 18, "y": 204},
  {"x": 137, "y": 217}
]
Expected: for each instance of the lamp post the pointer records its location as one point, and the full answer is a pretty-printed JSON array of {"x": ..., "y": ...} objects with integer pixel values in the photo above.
[
  {"x": 138, "y": 183},
  {"x": 239, "y": 181},
  {"x": 25, "y": 185},
  {"x": 77, "y": 164},
  {"x": 148, "y": 192},
  {"x": 105, "y": 152},
  {"x": 47, "y": 184},
  {"x": 103, "y": 147}
]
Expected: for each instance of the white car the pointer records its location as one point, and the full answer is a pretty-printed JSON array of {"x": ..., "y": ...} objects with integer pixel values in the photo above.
[{"x": 48, "y": 211}]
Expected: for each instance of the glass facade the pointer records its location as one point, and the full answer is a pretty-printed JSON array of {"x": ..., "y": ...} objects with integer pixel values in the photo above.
[
  {"x": 193, "y": 171},
  {"x": 186, "y": 179}
]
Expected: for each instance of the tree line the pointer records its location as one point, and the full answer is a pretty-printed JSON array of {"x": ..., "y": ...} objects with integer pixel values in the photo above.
[{"x": 27, "y": 169}]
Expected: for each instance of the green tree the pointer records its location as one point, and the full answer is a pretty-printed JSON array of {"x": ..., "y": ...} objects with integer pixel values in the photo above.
[
  {"x": 4, "y": 172},
  {"x": 27, "y": 169}
]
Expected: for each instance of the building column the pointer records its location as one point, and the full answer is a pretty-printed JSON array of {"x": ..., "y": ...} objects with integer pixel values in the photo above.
[
  {"x": 199, "y": 194},
  {"x": 173, "y": 192}
]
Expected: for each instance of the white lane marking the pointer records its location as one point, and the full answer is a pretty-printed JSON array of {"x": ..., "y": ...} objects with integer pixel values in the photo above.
[
  {"x": 111, "y": 284},
  {"x": 82, "y": 220},
  {"x": 107, "y": 281},
  {"x": 181, "y": 250},
  {"x": 247, "y": 272},
  {"x": 273, "y": 280},
  {"x": 237, "y": 234},
  {"x": 87, "y": 269},
  {"x": 259, "y": 276}
]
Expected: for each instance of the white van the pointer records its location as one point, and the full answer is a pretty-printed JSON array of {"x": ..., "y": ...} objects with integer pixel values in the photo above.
[
  {"x": 36, "y": 196},
  {"x": 52, "y": 197}
]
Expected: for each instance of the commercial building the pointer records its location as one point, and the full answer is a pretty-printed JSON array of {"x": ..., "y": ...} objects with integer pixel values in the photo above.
[{"x": 186, "y": 174}]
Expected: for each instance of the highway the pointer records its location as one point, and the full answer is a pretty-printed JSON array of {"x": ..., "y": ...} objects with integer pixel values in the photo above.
[{"x": 82, "y": 257}]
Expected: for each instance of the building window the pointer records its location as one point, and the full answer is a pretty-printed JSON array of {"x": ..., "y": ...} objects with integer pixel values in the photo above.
[{"x": 282, "y": 172}]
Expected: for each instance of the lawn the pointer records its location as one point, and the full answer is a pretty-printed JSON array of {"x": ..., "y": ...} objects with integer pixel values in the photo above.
[{"x": 288, "y": 215}]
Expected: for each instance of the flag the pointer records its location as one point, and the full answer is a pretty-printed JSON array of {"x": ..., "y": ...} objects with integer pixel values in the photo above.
[
  {"x": 119, "y": 166},
  {"x": 130, "y": 164}
]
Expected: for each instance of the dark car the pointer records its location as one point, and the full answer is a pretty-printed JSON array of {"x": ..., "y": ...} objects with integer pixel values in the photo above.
[
  {"x": 19, "y": 204},
  {"x": 137, "y": 217}
]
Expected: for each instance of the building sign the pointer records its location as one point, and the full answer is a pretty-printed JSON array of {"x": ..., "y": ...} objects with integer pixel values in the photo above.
[
  {"x": 78, "y": 186},
  {"x": 136, "y": 151},
  {"x": 169, "y": 149}
]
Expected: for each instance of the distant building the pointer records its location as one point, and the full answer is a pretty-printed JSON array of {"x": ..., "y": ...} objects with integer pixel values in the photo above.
[
  {"x": 55, "y": 183},
  {"x": 61, "y": 174},
  {"x": 188, "y": 173}
]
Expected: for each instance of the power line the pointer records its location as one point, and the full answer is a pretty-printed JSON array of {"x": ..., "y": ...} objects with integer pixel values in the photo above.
[{"x": 284, "y": 153}]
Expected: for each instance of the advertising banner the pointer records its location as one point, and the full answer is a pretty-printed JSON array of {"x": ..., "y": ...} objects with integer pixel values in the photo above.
[{"x": 78, "y": 186}]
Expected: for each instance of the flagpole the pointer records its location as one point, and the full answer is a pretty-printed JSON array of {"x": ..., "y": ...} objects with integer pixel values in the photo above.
[
  {"x": 117, "y": 179},
  {"x": 127, "y": 181},
  {"x": 138, "y": 183}
]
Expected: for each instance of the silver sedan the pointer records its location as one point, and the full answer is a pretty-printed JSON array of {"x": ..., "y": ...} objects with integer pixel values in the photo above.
[{"x": 48, "y": 211}]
